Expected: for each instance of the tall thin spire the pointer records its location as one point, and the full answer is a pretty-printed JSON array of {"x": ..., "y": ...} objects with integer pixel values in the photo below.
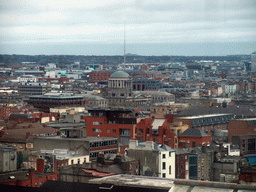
[{"x": 124, "y": 44}]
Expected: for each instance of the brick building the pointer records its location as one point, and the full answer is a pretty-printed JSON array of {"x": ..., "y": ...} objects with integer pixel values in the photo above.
[
  {"x": 193, "y": 137},
  {"x": 208, "y": 123},
  {"x": 111, "y": 123},
  {"x": 238, "y": 127},
  {"x": 246, "y": 143},
  {"x": 97, "y": 76},
  {"x": 181, "y": 164},
  {"x": 157, "y": 130},
  {"x": 126, "y": 124},
  {"x": 29, "y": 178},
  {"x": 5, "y": 111}
]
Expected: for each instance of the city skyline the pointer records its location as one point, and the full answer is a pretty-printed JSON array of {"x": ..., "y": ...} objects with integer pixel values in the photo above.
[{"x": 152, "y": 28}]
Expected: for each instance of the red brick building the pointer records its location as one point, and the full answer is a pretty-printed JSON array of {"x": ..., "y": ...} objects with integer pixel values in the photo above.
[
  {"x": 29, "y": 178},
  {"x": 111, "y": 123},
  {"x": 5, "y": 111},
  {"x": 238, "y": 127},
  {"x": 193, "y": 137},
  {"x": 126, "y": 125},
  {"x": 96, "y": 76},
  {"x": 247, "y": 143},
  {"x": 157, "y": 130},
  {"x": 208, "y": 123},
  {"x": 181, "y": 163},
  {"x": 144, "y": 67}
]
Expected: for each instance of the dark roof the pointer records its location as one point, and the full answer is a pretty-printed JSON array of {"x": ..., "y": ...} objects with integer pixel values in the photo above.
[
  {"x": 20, "y": 115},
  {"x": 194, "y": 133},
  {"x": 72, "y": 186},
  {"x": 239, "y": 111}
]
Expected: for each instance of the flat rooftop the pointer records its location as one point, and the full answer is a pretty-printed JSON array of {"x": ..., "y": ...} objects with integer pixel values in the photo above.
[
  {"x": 88, "y": 138},
  {"x": 205, "y": 116},
  {"x": 173, "y": 185}
]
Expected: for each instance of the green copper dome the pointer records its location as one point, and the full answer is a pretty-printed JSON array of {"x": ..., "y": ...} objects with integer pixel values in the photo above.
[
  {"x": 63, "y": 73},
  {"x": 120, "y": 74}
]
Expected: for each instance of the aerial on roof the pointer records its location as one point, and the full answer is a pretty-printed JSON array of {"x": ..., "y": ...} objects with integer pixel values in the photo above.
[{"x": 120, "y": 74}]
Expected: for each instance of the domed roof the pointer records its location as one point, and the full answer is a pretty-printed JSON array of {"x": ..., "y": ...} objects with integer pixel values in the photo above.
[
  {"x": 120, "y": 74},
  {"x": 63, "y": 73}
]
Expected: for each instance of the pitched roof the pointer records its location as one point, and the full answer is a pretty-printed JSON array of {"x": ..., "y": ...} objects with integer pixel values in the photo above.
[{"x": 194, "y": 133}]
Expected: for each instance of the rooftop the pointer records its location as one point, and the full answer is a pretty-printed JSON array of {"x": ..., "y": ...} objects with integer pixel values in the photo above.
[
  {"x": 205, "y": 116},
  {"x": 174, "y": 185},
  {"x": 194, "y": 132},
  {"x": 88, "y": 138},
  {"x": 119, "y": 74}
]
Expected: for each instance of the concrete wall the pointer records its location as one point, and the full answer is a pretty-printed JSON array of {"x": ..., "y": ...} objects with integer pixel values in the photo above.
[
  {"x": 8, "y": 160},
  {"x": 79, "y": 146}
]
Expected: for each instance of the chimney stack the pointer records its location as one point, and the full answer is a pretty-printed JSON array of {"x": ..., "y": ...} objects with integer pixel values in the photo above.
[
  {"x": 1, "y": 133},
  {"x": 40, "y": 165},
  {"x": 27, "y": 135},
  {"x": 32, "y": 176}
]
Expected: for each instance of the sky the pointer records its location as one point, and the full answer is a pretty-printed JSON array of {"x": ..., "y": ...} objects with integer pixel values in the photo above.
[{"x": 152, "y": 27}]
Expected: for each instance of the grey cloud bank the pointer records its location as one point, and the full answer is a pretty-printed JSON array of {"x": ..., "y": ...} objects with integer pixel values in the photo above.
[{"x": 152, "y": 27}]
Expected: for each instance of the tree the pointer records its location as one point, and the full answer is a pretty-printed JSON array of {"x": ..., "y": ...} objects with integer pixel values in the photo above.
[{"x": 19, "y": 159}]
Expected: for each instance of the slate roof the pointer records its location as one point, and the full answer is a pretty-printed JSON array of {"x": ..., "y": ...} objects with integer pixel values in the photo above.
[
  {"x": 194, "y": 133},
  {"x": 19, "y": 135},
  {"x": 239, "y": 111}
]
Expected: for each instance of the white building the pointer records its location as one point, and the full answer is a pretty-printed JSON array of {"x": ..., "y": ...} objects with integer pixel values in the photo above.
[
  {"x": 230, "y": 88},
  {"x": 155, "y": 159},
  {"x": 65, "y": 154},
  {"x": 27, "y": 78}
]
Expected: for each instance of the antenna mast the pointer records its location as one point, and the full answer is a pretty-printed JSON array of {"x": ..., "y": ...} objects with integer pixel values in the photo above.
[{"x": 124, "y": 43}]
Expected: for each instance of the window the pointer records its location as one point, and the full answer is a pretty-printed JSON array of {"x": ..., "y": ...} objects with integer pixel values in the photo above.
[
  {"x": 182, "y": 166},
  {"x": 108, "y": 130},
  {"x": 85, "y": 160},
  {"x": 12, "y": 156},
  {"x": 96, "y": 123},
  {"x": 40, "y": 184},
  {"x": 164, "y": 165},
  {"x": 72, "y": 162},
  {"x": 140, "y": 131},
  {"x": 36, "y": 184},
  {"x": 163, "y": 156},
  {"x": 170, "y": 170},
  {"x": 243, "y": 144},
  {"x": 163, "y": 175},
  {"x": 251, "y": 144},
  {"x": 96, "y": 130},
  {"x": 78, "y": 161},
  {"x": 170, "y": 154},
  {"x": 114, "y": 131}
]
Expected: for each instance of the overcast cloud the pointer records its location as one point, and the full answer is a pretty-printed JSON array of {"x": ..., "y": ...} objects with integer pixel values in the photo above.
[{"x": 41, "y": 23}]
